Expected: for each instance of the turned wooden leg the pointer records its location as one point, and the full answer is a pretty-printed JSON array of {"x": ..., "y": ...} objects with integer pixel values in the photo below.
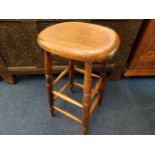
[
  {"x": 103, "y": 76},
  {"x": 71, "y": 74},
  {"x": 49, "y": 79},
  {"x": 86, "y": 96}
]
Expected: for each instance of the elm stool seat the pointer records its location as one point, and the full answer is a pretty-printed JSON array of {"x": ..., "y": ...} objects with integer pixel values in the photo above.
[{"x": 78, "y": 41}]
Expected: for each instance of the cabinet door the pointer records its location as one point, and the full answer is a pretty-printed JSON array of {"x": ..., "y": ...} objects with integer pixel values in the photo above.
[{"x": 143, "y": 60}]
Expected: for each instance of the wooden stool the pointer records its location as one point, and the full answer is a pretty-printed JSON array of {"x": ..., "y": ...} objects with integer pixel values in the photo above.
[{"x": 83, "y": 42}]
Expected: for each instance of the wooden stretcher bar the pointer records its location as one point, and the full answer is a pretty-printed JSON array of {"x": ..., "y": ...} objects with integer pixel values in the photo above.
[
  {"x": 94, "y": 104},
  {"x": 96, "y": 88},
  {"x": 62, "y": 90},
  {"x": 62, "y": 74},
  {"x": 67, "y": 114},
  {"x": 68, "y": 99},
  {"x": 83, "y": 71},
  {"x": 78, "y": 84}
]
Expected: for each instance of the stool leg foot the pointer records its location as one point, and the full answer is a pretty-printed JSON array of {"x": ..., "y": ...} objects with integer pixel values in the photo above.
[
  {"x": 86, "y": 96},
  {"x": 103, "y": 76},
  {"x": 49, "y": 80},
  {"x": 84, "y": 131},
  {"x": 71, "y": 74},
  {"x": 52, "y": 112}
]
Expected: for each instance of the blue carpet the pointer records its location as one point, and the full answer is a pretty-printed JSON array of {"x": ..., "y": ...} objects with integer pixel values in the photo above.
[{"x": 128, "y": 107}]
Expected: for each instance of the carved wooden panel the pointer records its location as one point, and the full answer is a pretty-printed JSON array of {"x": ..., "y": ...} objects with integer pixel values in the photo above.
[{"x": 18, "y": 45}]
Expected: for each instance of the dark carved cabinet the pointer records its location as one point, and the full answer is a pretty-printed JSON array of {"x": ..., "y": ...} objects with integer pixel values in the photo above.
[{"x": 20, "y": 54}]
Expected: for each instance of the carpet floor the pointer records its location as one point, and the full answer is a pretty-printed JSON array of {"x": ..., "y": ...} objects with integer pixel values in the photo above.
[{"x": 128, "y": 108}]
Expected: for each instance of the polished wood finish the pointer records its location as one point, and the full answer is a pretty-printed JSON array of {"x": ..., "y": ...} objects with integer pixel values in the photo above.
[
  {"x": 83, "y": 71},
  {"x": 142, "y": 61},
  {"x": 96, "y": 88},
  {"x": 68, "y": 114},
  {"x": 94, "y": 104},
  {"x": 79, "y": 41},
  {"x": 49, "y": 79},
  {"x": 68, "y": 99},
  {"x": 78, "y": 84},
  {"x": 86, "y": 96},
  {"x": 62, "y": 90},
  {"x": 138, "y": 72},
  {"x": 58, "y": 44},
  {"x": 63, "y": 73}
]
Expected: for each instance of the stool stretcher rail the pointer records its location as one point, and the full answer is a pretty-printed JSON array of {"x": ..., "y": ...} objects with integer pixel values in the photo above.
[
  {"x": 83, "y": 71},
  {"x": 62, "y": 74},
  {"x": 67, "y": 114},
  {"x": 96, "y": 88},
  {"x": 68, "y": 99},
  {"x": 78, "y": 84},
  {"x": 62, "y": 90},
  {"x": 94, "y": 104}
]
